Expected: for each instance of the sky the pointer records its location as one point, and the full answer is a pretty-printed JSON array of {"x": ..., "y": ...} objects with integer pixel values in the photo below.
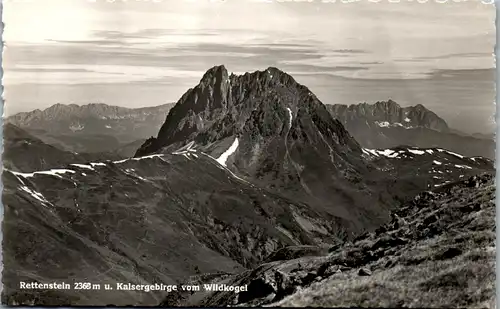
[{"x": 136, "y": 53}]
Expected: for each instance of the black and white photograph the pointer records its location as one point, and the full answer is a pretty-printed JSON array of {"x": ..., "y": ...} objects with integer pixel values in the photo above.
[{"x": 249, "y": 153}]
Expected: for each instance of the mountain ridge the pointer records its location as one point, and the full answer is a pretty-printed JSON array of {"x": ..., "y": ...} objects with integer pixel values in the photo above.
[
  {"x": 390, "y": 113},
  {"x": 61, "y": 111},
  {"x": 386, "y": 124},
  {"x": 91, "y": 127}
]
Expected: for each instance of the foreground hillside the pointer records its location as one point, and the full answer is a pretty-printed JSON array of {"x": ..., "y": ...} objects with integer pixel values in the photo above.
[{"x": 438, "y": 251}]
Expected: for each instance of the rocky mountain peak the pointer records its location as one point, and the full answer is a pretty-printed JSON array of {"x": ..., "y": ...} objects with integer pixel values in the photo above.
[
  {"x": 223, "y": 105},
  {"x": 388, "y": 105},
  {"x": 215, "y": 74},
  {"x": 274, "y": 133}
]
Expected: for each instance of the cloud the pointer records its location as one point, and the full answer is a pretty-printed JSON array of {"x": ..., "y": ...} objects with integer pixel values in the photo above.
[
  {"x": 304, "y": 69},
  {"x": 76, "y": 74},
  {"x": 477, "y": 75},
  {"x": 350, "y": 51},
  {"x": 343, "y": 52},
  {"x": 454, "y": 56},
  {"x": 47, "y": 70}
]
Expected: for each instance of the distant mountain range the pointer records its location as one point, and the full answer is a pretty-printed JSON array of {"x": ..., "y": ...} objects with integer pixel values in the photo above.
[
  {"x": 103, "y": 128},
  {"x": 242, "y": 170},
  {"x": 386, "y": 124},
  {"x": 94, "y": 119},
  {"x": 389, "y": 114},
  {"x": 92, "y": 127}
]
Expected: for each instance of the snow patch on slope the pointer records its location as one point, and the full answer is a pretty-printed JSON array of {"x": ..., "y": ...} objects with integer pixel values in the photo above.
[
  {"x": 223, "y": 157},
  {"x": 52, "y": 172},
  {"x": 131, "y": 172},
  {"x": 370, "y": 152},
  {"x": 36, "y": 195},
  {"x": 97, "y": 164},
  {"x": 417, "y": 152},
  {"x": 387, "y": 124},
  {"x": 138, "y": 158},
  {"x": 403, "y": 153},
  {"x": 442, "y": 184},
  {"x": 451, "y": 153},
  {"x": 223, "y": 167},
  {"x": 187, "y": 151},
  {"x": 83, "y": 166},
  {"x": 386, "y": 152},
  {"x": 383, "y": 124},
  {"x": 290, "y": 119}
]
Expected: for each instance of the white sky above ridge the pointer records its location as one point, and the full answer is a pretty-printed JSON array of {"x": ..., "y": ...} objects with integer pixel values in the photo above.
[{"x": 82, "y": 51}]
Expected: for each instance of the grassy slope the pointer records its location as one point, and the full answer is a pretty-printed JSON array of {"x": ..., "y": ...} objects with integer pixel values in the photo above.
[
  {"x": 438, "y": 251},
  {"x": 454, "y": 268}
]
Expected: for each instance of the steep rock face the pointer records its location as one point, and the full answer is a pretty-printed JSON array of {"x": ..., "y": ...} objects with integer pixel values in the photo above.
[
  {"x": 386, "y": 125},
  {"x": 274, "y": 132},
  {"x": 266, "y": 103}
]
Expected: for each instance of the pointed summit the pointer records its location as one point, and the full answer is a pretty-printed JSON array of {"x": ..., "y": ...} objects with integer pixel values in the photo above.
[
  {"x": 264, "y": 102},
  {"x": 215, "y": 75}
]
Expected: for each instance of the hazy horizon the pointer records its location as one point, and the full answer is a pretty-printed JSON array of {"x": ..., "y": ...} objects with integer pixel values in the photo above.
[{"x": 136, "y": 54}]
